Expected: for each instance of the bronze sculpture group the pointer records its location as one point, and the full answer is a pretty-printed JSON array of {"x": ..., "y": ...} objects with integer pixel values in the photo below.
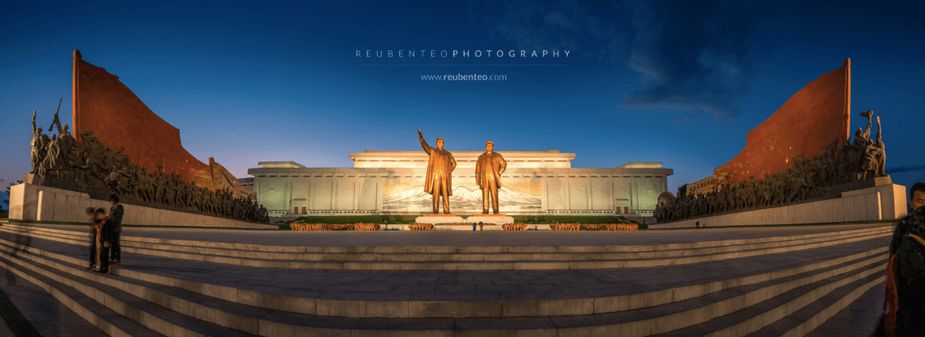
[
  {"x": 822, "y": 176},
  {"x": 439, "y": 177},
  {"x": 89, "y": 166}
]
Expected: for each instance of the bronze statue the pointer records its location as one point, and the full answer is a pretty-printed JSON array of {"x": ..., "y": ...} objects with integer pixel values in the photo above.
[
  {"x": 89, "y": 166},
  {"x": 881, "y": 151},
  {"x": 439, "y": 177},
  {"x": 861, "y": 158},
  {"x": 488, "y": 170},
  {"x": 874, "y": 157},
  {"x": 37, "y": 146}
]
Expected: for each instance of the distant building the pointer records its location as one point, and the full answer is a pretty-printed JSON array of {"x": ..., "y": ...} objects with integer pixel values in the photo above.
[
  {"x": 391, "y": 182},
  {"x": 247, "y": 184}
]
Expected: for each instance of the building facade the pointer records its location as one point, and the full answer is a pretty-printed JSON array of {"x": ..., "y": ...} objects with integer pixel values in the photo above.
[{"x": 392, "y": 182}]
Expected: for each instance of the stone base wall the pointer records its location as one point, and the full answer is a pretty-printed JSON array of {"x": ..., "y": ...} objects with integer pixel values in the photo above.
[
  {"x": 30, "y": 202},
  {"x": 881, "y": 202}
]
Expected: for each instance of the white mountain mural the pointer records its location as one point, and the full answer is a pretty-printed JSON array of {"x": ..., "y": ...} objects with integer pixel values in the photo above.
[{"x": 465, "y": 200}]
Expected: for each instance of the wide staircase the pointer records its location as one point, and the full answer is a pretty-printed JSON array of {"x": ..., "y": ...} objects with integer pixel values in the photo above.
[{"x": 803, "y": 283}]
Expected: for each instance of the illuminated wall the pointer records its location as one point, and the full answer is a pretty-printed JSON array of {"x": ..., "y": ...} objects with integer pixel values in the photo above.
[{"x": 535, "y": 183}]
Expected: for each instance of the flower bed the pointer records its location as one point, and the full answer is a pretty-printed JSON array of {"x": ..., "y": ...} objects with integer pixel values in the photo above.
[
  {"x": 622, "y": 227},
  {"x": 306, "y": 227},
  {"x": 365, "y": 227},
  {"x": 421, "y": 227},
  {"x": 514, "y": 227},
  {"x": 314, "y": 227},
  {"x": 565, "y": 227},
  {"x": 613, "y": 227}
]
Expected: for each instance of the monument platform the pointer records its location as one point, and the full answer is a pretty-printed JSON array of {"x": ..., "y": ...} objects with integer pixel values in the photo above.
[
  {"x": 30, "y": 202},
  {"x": 458, "y": 223},
  {"x": 494, "y": 219},
  {"x": 439, "y": 219},
  {"x": 871, "y": 200}
]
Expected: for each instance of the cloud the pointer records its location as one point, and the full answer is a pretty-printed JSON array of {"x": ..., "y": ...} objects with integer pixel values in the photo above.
[
  {"x": 690, "y": 55},
  {"x": 584, "y": 27}
]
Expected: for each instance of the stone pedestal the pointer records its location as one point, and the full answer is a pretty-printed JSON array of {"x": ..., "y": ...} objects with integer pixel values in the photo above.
[
  {"x": 872, "y": 200},
  {"x": 31, "y": 202},
  {"x": 437, "y": 219},
  {"x": 494, "y": 219}
]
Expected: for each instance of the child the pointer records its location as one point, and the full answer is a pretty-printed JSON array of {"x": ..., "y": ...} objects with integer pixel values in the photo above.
[{"x": 103, "y": 243}]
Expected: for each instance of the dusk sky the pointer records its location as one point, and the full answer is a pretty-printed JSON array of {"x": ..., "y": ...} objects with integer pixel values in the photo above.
[{"x": 679, "y": 82}]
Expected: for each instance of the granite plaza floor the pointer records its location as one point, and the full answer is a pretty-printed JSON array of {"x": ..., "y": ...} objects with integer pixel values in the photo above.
[{"x": 447, "y": 300}]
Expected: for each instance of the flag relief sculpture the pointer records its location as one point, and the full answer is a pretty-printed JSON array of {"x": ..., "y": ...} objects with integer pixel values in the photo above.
[
  {"x": 119, "y": 146},
  {"x": 802, "y": 152}
]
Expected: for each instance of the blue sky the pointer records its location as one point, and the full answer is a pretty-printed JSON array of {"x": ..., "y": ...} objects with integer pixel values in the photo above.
[{"x": 672, "y": 81}]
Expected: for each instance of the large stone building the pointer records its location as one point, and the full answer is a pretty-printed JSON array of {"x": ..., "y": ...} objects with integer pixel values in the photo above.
[{"x": 391, "y": 182}]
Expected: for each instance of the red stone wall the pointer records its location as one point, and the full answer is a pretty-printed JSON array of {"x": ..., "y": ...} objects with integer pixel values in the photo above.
[
  {"x": 804, "y": 126},
  {"x": 119, "y": 119}
]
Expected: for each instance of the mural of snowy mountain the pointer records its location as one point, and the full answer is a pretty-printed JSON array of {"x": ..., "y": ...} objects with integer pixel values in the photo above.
[{"x": 464, "y": 200}]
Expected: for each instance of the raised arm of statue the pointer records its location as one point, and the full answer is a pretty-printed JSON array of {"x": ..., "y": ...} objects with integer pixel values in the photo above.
[
  {"x": 879, "y": 130},
  {"x": 424, "y": 145}
]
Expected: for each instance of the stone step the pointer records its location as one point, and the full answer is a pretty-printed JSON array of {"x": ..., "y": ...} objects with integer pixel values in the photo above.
[
  {"x": 457, "y": 248},
  {"x": 476, "y": 265},
  {"x": 193, "y": 247},
  {"x": 123, "y": 301},
  {"x": 616, "y": 291},
  {"x": 858, "y": 319},
  {"x": 105, "y": 319},
  {"x": 40, "y": 313},
  {"x": 646, "y": 321},
  {"x": 822, "y": 310},
  {"x": 785, "y": 311}
]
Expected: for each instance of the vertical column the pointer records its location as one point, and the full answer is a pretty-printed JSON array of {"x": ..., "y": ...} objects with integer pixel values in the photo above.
[
  {"x": 379, "y": 182},
  {"x": 589, "y": 195},
  {"x": 544, "y": 200},
  {"x": 356, "y": 192},
  {"x": 287, "y": 194}
]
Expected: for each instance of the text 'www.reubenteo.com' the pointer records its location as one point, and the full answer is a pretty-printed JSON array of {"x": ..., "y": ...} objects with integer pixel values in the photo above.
[{"x": 460, "y": 77}]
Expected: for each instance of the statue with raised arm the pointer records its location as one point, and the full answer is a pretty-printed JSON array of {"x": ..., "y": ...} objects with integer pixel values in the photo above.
[
  {"x": 37, "y": 146},
  {"x": 439, "y": 177},
  {"x": 488, "y": 170},
  {"x": 869, "y": 114},
  {"x": 881, "y": 151}
]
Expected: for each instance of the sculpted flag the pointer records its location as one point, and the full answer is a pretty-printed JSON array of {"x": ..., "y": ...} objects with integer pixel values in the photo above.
[
  {"x": 804, "y": 126},
  {"x": 103, "y": 105}
]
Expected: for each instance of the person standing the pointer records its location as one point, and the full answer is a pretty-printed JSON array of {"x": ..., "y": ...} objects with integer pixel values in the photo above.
[
  {"x": 91, "y": 216},
  {"x": 103, "y": 244},
  {"x": 905, "y": 291},
  {"x": 115, "y": 216}
]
